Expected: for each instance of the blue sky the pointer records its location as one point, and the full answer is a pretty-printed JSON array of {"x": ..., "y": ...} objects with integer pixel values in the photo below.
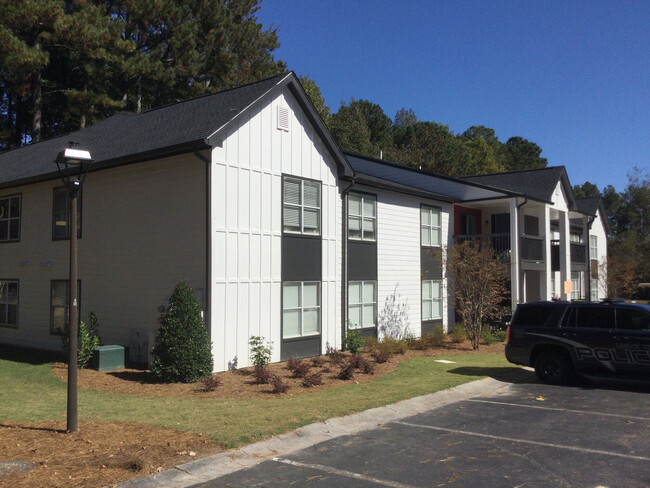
[{"x": 572, "y": 76}]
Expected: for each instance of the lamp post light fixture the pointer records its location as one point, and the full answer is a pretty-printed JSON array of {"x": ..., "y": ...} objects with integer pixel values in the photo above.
[{"x": 73, "y": 165}]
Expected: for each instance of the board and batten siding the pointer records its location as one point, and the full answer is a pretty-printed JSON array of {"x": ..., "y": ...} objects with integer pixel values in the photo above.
[
  {"x": 398, "y": 254},
  {"x": 143, "y": 230},
  {"x": 246, "y": 228}
]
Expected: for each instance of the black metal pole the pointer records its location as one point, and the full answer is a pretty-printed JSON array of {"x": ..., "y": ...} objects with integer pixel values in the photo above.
[{"x": 73, "y": 315}]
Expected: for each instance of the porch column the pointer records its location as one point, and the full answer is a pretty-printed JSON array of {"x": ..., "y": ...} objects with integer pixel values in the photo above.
[
  {"x": 514, "y": 253},
  {"x": 546, "y": 291},
  {"x": 565, "y": 254},
  {"x": 585, "y": 240}
]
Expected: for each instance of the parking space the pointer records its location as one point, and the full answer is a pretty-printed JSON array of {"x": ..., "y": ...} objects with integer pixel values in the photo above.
[{"x": 528, "y": 434}]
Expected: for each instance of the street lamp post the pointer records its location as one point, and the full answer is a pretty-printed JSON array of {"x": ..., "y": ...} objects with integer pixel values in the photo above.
[{"x": 70, "y": 163}]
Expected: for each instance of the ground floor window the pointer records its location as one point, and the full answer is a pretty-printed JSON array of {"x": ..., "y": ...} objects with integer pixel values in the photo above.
[
  {"x": 593, "y": 292},
  {"x": 431, "y": 299},
  {"x": 576, "y": 285},
  {"x": 362, "y": 304},
  {"x": 59, "y": 304},
  {"x": 9, "y": 303},
  {"x": 300, "y": 309}
]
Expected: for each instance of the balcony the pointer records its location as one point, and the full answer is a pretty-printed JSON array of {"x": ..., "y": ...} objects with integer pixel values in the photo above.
[
  {"x": 578, "y": 253},
  {"x": 500, "y": 243},
  {"x": 532, "y": 248}
]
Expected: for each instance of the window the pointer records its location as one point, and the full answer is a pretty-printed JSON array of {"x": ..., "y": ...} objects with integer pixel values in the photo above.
[
  {"x": 431, "y": 300},
  {"x": 61, "y": 214},
  {"x": 593, "y": 289},
  {"x": 430, "y": 226},
  {"x": 362, "y": 304},
  {"x": 59, "y": 304},
  {"x": 531, "y": 225},
  {"x": 300, "y": 309},
  {"x": 576, "y": 285},
  {"x": 362, "y": 217},
  {"x": 593, "y": 247},
  {"x": 10, "y": 218},
  {"x": 595, "y": 317},
  {"x": 630, "y": 319},
  {"x": 468, "y": 224},
  {"x": 301, "y": 206},
  {"x": 577, "y": 238},
  {"x": 9, "y": 303}
]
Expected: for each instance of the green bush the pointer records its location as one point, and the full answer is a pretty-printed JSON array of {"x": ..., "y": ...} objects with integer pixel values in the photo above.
[
  {"x": 87, "y": 340},
  {"x": 182, "y": 351},
  {"x": 353, "y": 341},
  {"x": 392, "y": 346},
  {"x": 500, "y": 335},
  {"x": 260, "y": 352},
  {"x": 429, "y": 341},
  {"x": 458, "y": 333},
  {"x": 487, "y": 337}
]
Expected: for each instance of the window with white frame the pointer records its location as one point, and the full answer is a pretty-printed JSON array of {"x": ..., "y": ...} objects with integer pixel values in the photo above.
[
  {"x": 430, "y": 227},
  {"x": 593, "y": 247},
  {"x": 362, "y": 304},
  {"x": 301, "y": 205},
  {"x": 9, "y": 303},
  {"x": 431, "y": 299},
  {"x": 577, "y": 238},
  {"x": 593, "y": 289},
  {"x": 362, "y": 217},
  {"x": 300, "y": 309},
  {"x": 10, "y": 218},
  {"x": 576, "y": 285}
]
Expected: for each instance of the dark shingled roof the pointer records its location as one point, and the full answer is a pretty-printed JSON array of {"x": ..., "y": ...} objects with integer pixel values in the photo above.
[
  {"x": 172, "y": 129},
  {"x": 385, "y": 174},
  {"x": 588, "y": 205},
  {"x": 538, "y": 184}
]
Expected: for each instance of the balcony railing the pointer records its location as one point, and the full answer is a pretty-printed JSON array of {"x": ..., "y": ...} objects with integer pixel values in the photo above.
[
  {"x": 532, "y": 248},
  {"x": 500, "y": 243},
  {"x": 578, "y": 253}
]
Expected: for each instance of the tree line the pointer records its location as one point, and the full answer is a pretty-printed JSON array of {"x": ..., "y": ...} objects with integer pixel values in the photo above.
[
  {"x": 65, "y": 64},
  {"x": 362, "y": 127}
]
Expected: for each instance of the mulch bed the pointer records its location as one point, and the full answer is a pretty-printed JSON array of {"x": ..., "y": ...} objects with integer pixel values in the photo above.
[{"x": 102, "y": 453}]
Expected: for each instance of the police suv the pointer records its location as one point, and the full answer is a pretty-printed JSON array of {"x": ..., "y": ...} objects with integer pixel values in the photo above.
[{"x": 561, "y": 338}]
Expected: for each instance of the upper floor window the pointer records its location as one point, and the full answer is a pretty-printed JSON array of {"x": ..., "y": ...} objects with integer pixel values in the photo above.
[
  {"x": 577, "y": 238},
  {"x": 61, "y": 214},
  {"x": 10, "y": 218},
  {"x": 9, "y": 303},
  {"x": 430, "y": 226},
  {"x": 593, "y": 247},
  {"x": 301, "y": 206},
  {"x": 362, "y": 217}
]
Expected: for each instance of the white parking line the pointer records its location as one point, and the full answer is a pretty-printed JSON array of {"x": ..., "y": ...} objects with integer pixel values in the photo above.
[
  {"x": 569, "y": 410},
  {"x": 342, "y": 472},
  {"x": 524, "y": 441}
]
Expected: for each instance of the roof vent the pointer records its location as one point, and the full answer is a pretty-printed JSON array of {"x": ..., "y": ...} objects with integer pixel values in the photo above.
[{"x": 283, "y": 118}]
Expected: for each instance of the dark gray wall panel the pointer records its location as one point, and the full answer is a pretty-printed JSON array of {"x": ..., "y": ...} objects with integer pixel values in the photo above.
[
  {"x": 300, "y": 348},
  {"x": 431, "y": 263},
  {"x": 429, "y": 326},
  {"x": 362, "y": 260},
  {"x": 301, "y": 259}
]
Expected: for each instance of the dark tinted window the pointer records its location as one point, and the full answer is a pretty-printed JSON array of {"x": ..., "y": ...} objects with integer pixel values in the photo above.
[
  {"x": 631, "y": 319},
  {"x": 535, "y": 316},
  {"x": 595, "y": 317}
]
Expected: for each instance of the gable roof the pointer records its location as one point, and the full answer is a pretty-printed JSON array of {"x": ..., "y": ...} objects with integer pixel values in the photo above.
[
  {"x": 178, "y": 128},
  {"x": 537, "y": 184},
  {"x": 590, "y": 206},
  {"x": 397, "y": 177}
]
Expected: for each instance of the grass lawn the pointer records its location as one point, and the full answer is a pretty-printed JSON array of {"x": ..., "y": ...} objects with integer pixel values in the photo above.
[{"x": 31, "y": 393}]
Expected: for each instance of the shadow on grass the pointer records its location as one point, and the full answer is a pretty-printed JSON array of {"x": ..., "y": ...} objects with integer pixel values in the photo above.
[
  {"x": 507, "y": 374},
  {"x": 31, "y": 356},
  {"x": 141, "y": 376}
]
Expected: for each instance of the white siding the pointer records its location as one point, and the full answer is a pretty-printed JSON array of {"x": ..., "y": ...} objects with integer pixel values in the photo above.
[
  {"x": 398, "y": 253},
  {"x": 247, "y": 227},
  {"x": 143, "y": 230}
]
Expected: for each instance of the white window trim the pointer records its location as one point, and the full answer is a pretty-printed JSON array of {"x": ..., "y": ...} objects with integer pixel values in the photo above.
[
  {"x": 363, "y": 304},
  {"x": 9, "y": 218},
  {"x": 431, "y": 228},
  {"x": 362, "y": 216},
  {"x": 301, "y": 206},
  {"x": 593, "y": 247},
  {"x": 432, "y": 300},
  {"x": 302, "y": 309},
  {"x": 5, "y": 302}
]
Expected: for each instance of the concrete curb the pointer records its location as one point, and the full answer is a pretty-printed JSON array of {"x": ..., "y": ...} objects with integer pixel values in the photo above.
[{"x": 205, "y": 469}]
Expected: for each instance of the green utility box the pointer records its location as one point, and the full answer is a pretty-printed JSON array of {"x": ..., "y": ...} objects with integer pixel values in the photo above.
[{"x": 108, "y": 358}]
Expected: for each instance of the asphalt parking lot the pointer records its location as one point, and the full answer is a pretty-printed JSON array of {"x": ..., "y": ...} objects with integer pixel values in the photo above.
[{"x": 591, "y": 434}]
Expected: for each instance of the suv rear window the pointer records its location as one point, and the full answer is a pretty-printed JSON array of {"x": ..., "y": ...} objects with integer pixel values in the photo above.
[
  {"x": 591, "y": 318},
  {"x": 532, "y": 315},
  {"x": 630, "y": 319}
]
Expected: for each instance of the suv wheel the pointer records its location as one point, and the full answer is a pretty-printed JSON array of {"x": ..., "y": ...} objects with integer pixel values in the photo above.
[{"x": 552, "y": 367}]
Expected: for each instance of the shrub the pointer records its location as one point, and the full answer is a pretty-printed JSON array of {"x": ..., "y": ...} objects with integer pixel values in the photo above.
[
  {"x": 370, "y": 344},
  {"x": 260, "y": 352},
  {"x": 487, "y": 337},
  {"x": 336, "y": 357},
  {"x": 356, "y": 361},
  {"x": 346, "y": 371},
  {"x": 501, "y": 335},
  {"x": 313, "y": 379},
  {"x": 278, "y": 385},
  {"x": 380, "y": 356},
  {"x": 262, "y": 375},
  {"x": 211, "y": 383},
  {"x": 353, "y": 341},
  {"x": 182, "y": 351},
  {"x": 87, "y": 340},
  {"x": 298, "y": 367},
  {"x": 458, "y": 334},
  {"x": 393, "y": 346},
  {"x": 366, "y": 366},
  {"x": 429, "y": 341},
  {"x": 318, "y": 361}
]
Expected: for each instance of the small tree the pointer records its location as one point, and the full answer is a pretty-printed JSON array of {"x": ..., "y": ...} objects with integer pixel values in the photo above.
[
  {"x": 182, "y": 351},
  {"x": 394, "y": 317},
  {"x": 87, "y": 339},
  {"x": 478, "y": 279}
]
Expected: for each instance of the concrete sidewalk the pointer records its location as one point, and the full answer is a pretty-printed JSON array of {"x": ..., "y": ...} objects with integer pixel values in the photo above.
[{"x": 228, "y": 462}]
